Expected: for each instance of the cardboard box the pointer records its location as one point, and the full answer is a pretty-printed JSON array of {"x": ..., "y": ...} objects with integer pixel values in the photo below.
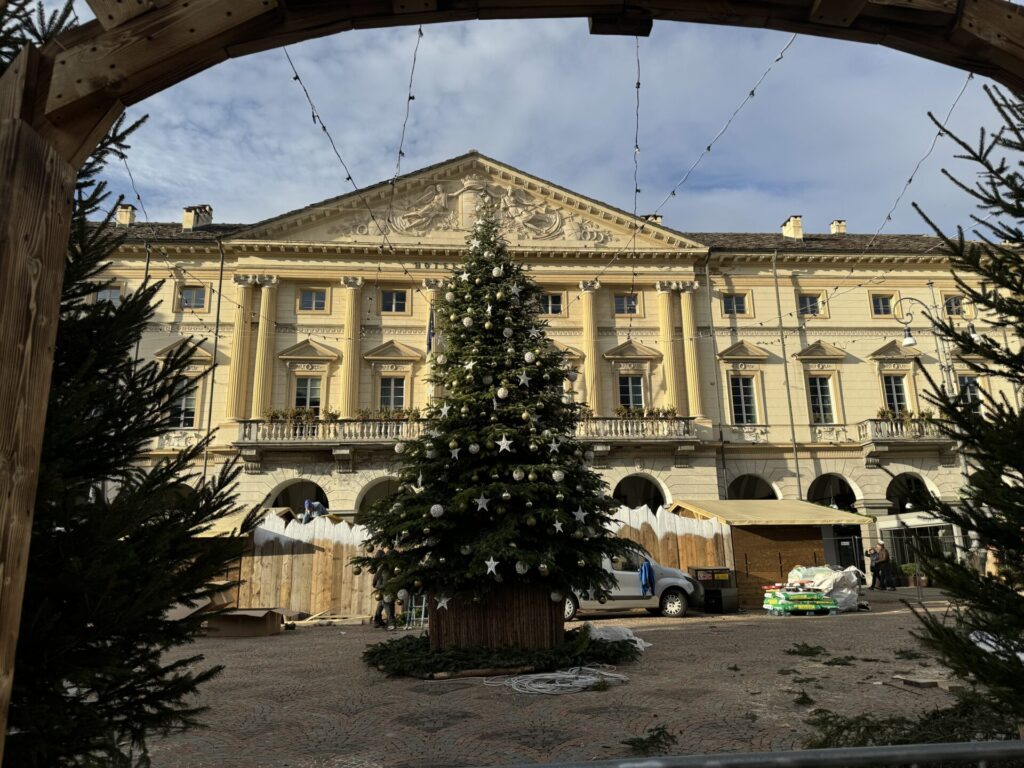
[{"x": 258, "y": 622}]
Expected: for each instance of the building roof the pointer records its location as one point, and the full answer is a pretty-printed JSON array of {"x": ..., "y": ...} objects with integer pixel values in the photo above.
[
  {"x": 163, "y": 232},
  {"x": 769, "y": 241},
  {"x": 766, "y": 512}
]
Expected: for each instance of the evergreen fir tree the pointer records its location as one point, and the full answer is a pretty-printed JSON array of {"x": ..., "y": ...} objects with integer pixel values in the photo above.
[
  {"x": 496, "y": 501},
  {"x": 986, "y": 642},
  {"x": 114, "y": 543}
]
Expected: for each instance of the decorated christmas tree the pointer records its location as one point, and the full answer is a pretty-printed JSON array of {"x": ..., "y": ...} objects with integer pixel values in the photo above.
[{"x": 498, "y": 517}]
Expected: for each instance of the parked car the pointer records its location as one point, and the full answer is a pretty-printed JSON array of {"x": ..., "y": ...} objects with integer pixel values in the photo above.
[{"x": 674, "y": 591}]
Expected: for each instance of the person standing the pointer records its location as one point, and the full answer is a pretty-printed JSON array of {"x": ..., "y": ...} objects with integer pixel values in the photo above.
[
  {"x": 384, "y": 606},
  {"x": 872, "y": 553},
  {"x": 885, "y": 571}
]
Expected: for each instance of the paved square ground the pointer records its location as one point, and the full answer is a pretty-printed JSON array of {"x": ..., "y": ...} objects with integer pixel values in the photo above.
[{"x": 305, "y": 699}]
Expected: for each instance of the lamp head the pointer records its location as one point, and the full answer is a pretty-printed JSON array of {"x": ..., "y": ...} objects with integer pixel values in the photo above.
[{"x": 908, "y": 338}]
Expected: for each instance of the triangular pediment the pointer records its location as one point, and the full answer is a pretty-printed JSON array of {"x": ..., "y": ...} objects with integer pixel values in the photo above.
[
  {"x": 438, "y": 206},
  {"x": 632, "y": 349},
  {"x": 309, "y": 350},
  {"x": 894, "y": 350},
  {"x": 744, "y": 350},
  {"x": 201, "y": 356},
  {"x": 392, "y": 351},
  {"x": 571, "y": 353},
  {"x": 820, "y": 350}
]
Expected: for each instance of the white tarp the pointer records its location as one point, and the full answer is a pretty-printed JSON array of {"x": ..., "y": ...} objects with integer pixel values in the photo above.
[{"x": 842, "y": 586}]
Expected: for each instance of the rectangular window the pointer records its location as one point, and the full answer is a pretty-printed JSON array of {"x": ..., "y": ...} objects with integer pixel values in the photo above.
[
  {"x": 111, "y": 293},
  {"x": 183, "y": 410},
  {"x": 895, "y": 394},
  {"x": 392, "y": 393},
  {"x": 744, "y": 407},
  {"x": 192, "y": 297},
  {"x": 820, "y": 388},
  {"x": 970, "y": 392},
  {"x": 313, "y": 299},
  {"x": 551, "y": 304},
  {"x": 734, "y": 303},
  {"x": 631, "y": 391},
  {"x": 808, "y": 304},
  {"x": 307, "y": 393},
  {"x": 625, "y": 304},
  {"x": 881, "y": 304},
  {"x": 392, "y": 301},
  {"x": 953, "y": 306}
]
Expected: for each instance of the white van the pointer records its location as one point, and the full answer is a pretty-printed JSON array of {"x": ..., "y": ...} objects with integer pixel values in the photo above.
[{"x": 674, "y": 591}]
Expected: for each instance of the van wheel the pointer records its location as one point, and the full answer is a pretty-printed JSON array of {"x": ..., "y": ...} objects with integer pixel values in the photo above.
[
  {"x": 673, "y": 603},
  {"x": 571, "y": 606}
]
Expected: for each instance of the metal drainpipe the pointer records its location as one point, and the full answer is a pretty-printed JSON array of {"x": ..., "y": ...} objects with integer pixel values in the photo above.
[
  {"x": 785, "y": 370},
  {"x": 213, "y": 367},
  {"x": 718, "y": 373}
]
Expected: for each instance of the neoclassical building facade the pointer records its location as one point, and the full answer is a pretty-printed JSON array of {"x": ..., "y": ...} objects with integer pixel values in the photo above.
[{"x": 714, "y": 365}]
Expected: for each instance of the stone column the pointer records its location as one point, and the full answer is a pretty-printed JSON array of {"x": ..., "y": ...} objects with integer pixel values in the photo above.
[
  {"x": 238, "y": 373},
  {"x": 671, "y": 346},
  {"x": 689, "y": 317},
  {"x": 351, "y": 362},
  {"x": 432, "y": 289},
  {"x": 263, "y": 379},
  {"x": 591, "y": 359}
]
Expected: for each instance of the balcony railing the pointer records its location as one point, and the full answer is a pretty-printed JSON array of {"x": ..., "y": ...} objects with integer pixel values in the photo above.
[
  {"x": 883, "y": 430},
  {"x": 386, "y": 430}
]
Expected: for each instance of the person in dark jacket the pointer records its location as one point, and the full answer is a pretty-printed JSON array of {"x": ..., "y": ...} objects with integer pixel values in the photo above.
[{"x": 384, "y": 605}]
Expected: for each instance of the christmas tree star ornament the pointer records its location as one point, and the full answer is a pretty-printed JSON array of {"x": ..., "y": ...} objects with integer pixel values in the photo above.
[
  {"x": 492, "y": 566},
  {"x": 580, "y": 515},
  {"x": 481, "y": 502},
  {"x": 444, "y": 410},
  {"x": 524, "y": 379},
  {"x": 455, "y": 452},
  {"x": 554, "y": 445},
  {"x": 504, "y": 444},
  {"x": 442, "y": 602},
  {"x": 469, "y": 365},
  {"x": 465, "y": 276},
  {"x": 515, "y": 289},
  {"x": 535, "y": 333}
]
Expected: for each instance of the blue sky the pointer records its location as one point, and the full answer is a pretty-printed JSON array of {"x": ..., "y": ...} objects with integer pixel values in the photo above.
[{"x": 833, "y": 132}]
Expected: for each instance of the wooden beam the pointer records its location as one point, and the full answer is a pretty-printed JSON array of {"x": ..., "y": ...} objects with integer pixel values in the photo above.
[
  {"x": 114, "y": 13},
  {"x": 36, "y": 187},
  {"x": 836, "y": 13},
  {"x": 111, "y": 61}
]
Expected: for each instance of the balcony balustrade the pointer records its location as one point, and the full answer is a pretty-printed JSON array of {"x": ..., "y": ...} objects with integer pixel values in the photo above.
[
  {"x": 259, "y": 432},
  {"x": 884, "y": 431}
]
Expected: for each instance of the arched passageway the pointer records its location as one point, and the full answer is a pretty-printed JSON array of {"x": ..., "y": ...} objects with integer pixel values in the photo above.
[
  {"x": 902, "y": 491},
  {"x": 295, "y": 494},
  {"x": 831, "y": 491},
  {"x": 751, "y": 487},
  {"x": 636, "y": 490},
  {"x": 379, "y": 489}
]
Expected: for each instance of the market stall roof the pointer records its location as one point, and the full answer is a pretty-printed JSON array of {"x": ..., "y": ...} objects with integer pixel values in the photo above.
[{"x": 766, "y": 512}]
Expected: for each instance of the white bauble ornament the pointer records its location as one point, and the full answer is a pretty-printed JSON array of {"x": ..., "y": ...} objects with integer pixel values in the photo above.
[
  {"x": 558, "y": 475},
  {"x": 521, "y": 567},
  {"x": 507, "y": 333},
  {"x": 487, "y": 379},
  {"x": 399, "y": 447},
  {"x": 588, "y": 455},
  {"x": 566, "y": 399},
  {"x": 464, "y": 549},
  {"x": 543, "y": 569},
  {"x": 467, "y": 321},
  {"x": 502, "y": 393},
  {"x": 449, "y": 296},
  {"x": 442, "y": 359},
  {"x": 403, "y": 595},
  {"x": 557, "y": 597},
  {"x": 437, "y": 510},
  {"x": 474, "y": 448},
  {"x": 518, "y": 474},
  {"x": 431, "y": 454},
  {"x": 506, "y": 495},
  {"x": 572, "y": 375},
  {"x": 496, "y": 272},
  {"x": 529, "y": 357}
]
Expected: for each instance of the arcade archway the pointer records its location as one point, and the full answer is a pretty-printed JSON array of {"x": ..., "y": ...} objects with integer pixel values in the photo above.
[
  {"x": 751, "y": 487},
  {"x": 637, "y": 490}
]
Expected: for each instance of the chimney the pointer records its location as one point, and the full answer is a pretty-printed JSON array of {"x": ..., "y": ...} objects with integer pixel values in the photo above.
[
  {"x": 125, "y": 215},
  {"x": 196, "y": 216},
  {"x": 838, "y": 227},
  {"x": 793, "y": 227},
  {"x": 654, "y": 218}
]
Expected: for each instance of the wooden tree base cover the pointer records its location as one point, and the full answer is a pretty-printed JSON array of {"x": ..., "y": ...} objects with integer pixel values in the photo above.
[{"x": 509, "y": 617}]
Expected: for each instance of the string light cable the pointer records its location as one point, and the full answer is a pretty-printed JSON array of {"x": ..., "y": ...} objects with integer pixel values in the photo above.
[
  {"x": 631, "y": 298},
  {"x": 574, "y": 680}
]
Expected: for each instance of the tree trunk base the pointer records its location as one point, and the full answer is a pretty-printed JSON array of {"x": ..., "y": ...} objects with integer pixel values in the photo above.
[{"x": 510, "y": 617}]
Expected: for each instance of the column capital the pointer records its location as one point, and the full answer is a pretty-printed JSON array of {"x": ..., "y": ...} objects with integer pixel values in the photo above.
[
  {"x": 244, "y": 279},
  {"x": 267, "y": 281},
  {"x": 433, "y": 283},
  {"x": 589, "y": 286},
  {"x": 666, "y": 286},
  {"x": 687, "y": 286},
  {"x": 352, "y": 282}
]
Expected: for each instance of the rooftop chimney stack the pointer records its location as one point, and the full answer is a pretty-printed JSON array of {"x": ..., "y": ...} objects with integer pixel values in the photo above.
[
  {"x": 196, "y": 216},
  {"x": 793, "y": 227},
  {"x": 838, "y": 227},
  {"x": 654, "y": 218},
  {"x": 125, "y": 215}
]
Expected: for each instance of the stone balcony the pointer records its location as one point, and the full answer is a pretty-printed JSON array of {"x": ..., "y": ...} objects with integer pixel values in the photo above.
[
  {"x": 341, "y": 437},
  {"x": 914, "y": 436}
]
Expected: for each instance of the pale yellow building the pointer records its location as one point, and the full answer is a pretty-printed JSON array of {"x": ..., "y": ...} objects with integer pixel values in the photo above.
[{"x": 751, "y": 365}]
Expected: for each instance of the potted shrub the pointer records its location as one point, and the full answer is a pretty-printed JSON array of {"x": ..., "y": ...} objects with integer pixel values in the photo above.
[{"x": 911, "y": 575}]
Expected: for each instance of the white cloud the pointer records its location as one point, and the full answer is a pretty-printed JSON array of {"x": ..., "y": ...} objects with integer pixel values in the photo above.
[{"x": 834, "y": 131}]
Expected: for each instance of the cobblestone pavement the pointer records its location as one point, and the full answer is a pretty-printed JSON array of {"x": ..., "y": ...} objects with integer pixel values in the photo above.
[{"x": 304, "y": 699}]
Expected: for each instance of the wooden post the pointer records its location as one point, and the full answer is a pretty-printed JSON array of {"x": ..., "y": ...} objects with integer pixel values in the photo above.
[
  {"x": 36, "y": 186},
  {"x": 521, "y": 616}
]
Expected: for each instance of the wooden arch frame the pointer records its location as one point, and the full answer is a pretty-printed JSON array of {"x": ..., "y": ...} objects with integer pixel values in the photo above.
[{"x": 56, "y": 104}]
